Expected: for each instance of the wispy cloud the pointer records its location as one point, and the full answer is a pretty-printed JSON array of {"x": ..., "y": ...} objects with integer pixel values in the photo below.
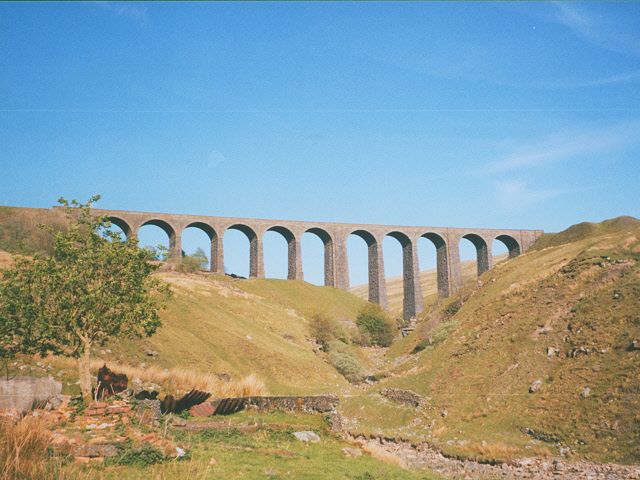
[
  {"x": 566, "y": 146},
  {"x": 597, "y": 30},
  {"x": 515, "y": 194},
  {"x": 136, "y": 12},
  {"x": 215, "y": 159},
  {"x": 596, "y": 82}
]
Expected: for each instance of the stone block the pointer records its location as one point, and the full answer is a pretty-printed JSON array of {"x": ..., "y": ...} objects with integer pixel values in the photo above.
[{"x": 20, "y": 393}]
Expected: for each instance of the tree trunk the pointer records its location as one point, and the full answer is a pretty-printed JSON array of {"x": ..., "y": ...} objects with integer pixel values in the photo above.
[{"x": 85, "y": 374}]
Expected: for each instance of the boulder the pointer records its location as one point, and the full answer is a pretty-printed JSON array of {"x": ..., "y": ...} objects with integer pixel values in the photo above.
[
  {"x": 351, "y": 452},
  {"x": 535, "y": 386},
  {"x": 22, "y": 393},
  {"x": 307, "y": 436}
]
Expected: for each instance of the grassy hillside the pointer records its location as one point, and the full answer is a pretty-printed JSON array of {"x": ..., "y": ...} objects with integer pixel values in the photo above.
[
  {"x": 565, "y": 314},
  {"x": 219, "y": 324}
]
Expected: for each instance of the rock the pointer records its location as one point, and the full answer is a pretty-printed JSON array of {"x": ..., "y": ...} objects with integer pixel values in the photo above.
[
  {"x": 403, "y": 396},
  {"x": 88, "y": 459},
  {"x": 205, "y": 409},
  {"x": 307, "y": 436},
  {"x": 351, "y": 452},
  {"x": 148, "y": 412},
  {"x": 552, "y": 352},
  {"x": 444, "y": 413},
  {"x": 180, "y": 452},
  {"x": 535, "y": 386},
  {"x": 585, "y": 392},
  {"x": 136, "y": 385},
  {"x": 21, "y": 393},
  {"x": 336, "y": 421},
  {"x": 151, "y": 353},
  {"x": 92, "y": 451},
  {"x": 119, "y": 409},
  {"x": 178, "y": 422},
  {"x": 635, "y": 345},
  {"x": 580, "y": 351},
  {"x": 58, "y": 401}
]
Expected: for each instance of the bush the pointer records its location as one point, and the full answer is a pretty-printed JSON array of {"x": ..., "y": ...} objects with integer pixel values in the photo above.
[
  {"x": 347, "y": 365},
  {"x": 142, "y": 457},
  {"x": 374, "y": 322},
  {"x": 452, "y": 308},
  {"x": 325, "y": 329}
]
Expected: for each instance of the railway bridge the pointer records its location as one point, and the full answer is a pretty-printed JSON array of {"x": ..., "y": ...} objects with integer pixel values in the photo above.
[{"x": 334, "y": 237}]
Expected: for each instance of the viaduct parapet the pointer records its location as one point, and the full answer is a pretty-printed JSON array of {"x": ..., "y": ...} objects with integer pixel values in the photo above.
[{"x": 334, "y": 236}]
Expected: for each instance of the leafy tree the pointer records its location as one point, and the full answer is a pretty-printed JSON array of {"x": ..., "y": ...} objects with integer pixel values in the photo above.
[
  {"x": 374, "y": 323},
  {"x": 325, "y": 329},
  {"x": 94, "y": 288},
  {"x": 201, "y": 258},
  {"x": 197, "y": 261}
]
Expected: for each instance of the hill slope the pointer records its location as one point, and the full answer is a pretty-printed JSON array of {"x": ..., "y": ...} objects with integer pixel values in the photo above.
[
  {"x": 218, "y": 324},
  {"x": 565, "y": 314}
]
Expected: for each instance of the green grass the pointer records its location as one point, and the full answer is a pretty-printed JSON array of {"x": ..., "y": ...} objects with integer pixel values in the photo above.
[{"x": 269, "y": 450}]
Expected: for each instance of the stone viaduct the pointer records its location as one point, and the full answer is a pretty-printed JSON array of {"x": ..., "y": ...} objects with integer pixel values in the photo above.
[{"x": 334, "y": 236}]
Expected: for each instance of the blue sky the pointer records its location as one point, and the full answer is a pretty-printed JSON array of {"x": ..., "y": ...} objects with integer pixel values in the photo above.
[{"x": 521, "y": 115}]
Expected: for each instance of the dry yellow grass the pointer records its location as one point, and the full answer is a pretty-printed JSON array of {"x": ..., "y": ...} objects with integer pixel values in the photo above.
[
  {"x": 378, "y": 452},
  {"x": 176, "y": 380},
  {"x": 6, "y": 260},
  {"x": 182, "y": 380},
  {"x": 23, "y": 445}
]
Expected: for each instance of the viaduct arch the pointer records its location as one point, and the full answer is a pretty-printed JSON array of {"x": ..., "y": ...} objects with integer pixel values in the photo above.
[{"x": 334, "y": 238}]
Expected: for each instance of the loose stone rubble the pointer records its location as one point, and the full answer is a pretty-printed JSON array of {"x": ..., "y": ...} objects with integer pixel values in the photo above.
[
  {"x": 423, "y": 456},
  {"x": 403, "y": 396}
]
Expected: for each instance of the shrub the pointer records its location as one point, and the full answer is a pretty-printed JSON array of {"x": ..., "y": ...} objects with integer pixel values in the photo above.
[
  {"x": 347, "y": 365},
  {"x": 194, "y": 263},
  {"x": 142, "y": 457},
  {"x": 452, "y": 308},
  {"x": 373, "y": 321},
  {"x": 325, "y": 329}
]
